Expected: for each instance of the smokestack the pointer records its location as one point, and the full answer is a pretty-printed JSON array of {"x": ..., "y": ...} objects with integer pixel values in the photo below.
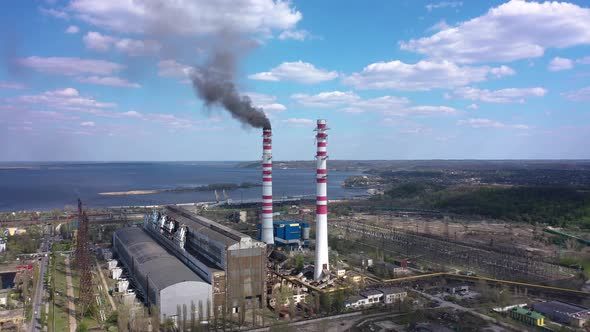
[
  {"x": 321, "y": 212},
  {"x": 267, "y": 235}
]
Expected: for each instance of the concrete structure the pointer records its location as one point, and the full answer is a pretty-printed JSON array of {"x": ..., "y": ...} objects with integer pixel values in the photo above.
[
  {"x": 393, "y": 295},
  {"x": 112, "y": 264},
  {"x": 321, "y": 231},
  {"x": 267, "y": 228},
  {"x": 233, "y": 263},
  {"x": 4, "y": 297},
  {"x": 116, "y": 273},
  {"x": 456, "y": 288},
  {"x": 526, "y": 316},
  {"x": 562, "y": 312},
  {"x": 372, "y": 295},
  {"x": 159, "y": 276}
]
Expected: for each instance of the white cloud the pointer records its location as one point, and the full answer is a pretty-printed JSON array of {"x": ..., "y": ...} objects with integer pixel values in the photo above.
[
  {"x": 294, "y": 34},
  {"x": 326, "y": 99},
  {"x": 266, "y": 102},
  {"x": 98, "y": 42},
  {"x": 422, "y": 76},
  {"x": 132, "y": 47},
  {"x": 109, "y": 81},
  {"x": 558, "y": 64},
  {"x": 443, "y": 4},
  {"x": 298, "y": 122},
  {"x": 68, "y": 99},
  {"x": 299, "y": 71},
  {"x": 12, "y": 85},
  {"x": 187, "y": 17},
  {"x": 488, "y": 123},
  {"x": 72, "y": 29},
  {"x": 349, "y": 102},
  {"x": 173, "y": 69},
  {"x": 509, "y": 32},
  {"x": 54, "y": 12},
  {"x": 582, "y": 94},
  {"x": 88, "y": 124},
  {"x": 510, "y": 95},
  {"x": 473, "y": 107},
  {"x": 441, "y": 25},
  {"x": 70, "y": 66},
  {"x": 424, "y": 111}
]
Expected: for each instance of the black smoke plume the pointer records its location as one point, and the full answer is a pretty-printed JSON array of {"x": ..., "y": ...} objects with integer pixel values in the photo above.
[{"x": 214, "y": 84}]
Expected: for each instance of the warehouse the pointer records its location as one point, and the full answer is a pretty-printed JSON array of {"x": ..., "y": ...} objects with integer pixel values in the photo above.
[
  {"x": 564, "y": 312},
  {"x": 232, "y": 262},
  {"x": 162, "y": 279}
]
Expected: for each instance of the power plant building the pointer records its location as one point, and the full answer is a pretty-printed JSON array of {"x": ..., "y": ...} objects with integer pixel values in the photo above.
[
  {"x": 233, "y": 263},
  {"x": 162, "y": 279},
  {"x": 290, "y": 233}
]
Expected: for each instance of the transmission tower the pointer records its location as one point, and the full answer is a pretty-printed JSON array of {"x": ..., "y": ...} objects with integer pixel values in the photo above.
[{"x": 83, "y": 263}]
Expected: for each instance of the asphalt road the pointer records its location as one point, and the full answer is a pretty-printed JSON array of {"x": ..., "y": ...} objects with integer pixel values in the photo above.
[{"x": 35, "y": 323}]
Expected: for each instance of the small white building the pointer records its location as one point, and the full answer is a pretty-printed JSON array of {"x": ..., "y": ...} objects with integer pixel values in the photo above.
[
  {"x": 340, "y": 272},
  {"x": 116, "y": 273},
  {"x": 393, "y": 295},
  {"x": 122, "y": 285},
  {"x": 372, "y": 296},
  {"x": 112, "y": 264},
  {"x": 354, "y": 302}
]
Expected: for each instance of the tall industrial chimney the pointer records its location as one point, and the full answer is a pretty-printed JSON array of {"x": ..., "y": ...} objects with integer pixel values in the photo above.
[
  {"x": 321, "y": 213},
  {"x": 267, "y": 235}
]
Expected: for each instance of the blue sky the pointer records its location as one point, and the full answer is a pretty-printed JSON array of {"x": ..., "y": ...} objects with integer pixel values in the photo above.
[{"x": 109, "y": 80}]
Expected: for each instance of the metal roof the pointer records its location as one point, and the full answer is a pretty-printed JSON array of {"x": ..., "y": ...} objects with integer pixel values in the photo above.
[
  {"x": 392, "y": 290},
  {"x": 559, "y": 307},
  {"x": 524, "y": 312},
  {"x": 371, "y": 292},
  {"x": 158, "y": 265},
  {"x": 200, "y": 224}
]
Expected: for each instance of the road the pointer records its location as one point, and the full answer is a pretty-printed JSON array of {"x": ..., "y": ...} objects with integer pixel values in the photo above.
[
  {"x": 70, "y": 293},
  {"x": 37, "y": 304}
]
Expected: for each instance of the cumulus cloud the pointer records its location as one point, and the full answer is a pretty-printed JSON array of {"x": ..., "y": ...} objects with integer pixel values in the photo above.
[
  {"x": 424, "y": 111},
  {"x": 88, "y": 124},
  {"x": 440, "y": 25},
  {"x": 294, "y": 34},
  {"x": 473, "y": 107},
  {"x": 72, "y": 29},
  {"x": 422, "y": 76},
  {"x": 298, "y": 122},
  {"x": 326, "y": 99},
  {"x": 443, "y": 4},
  {"x": 132, "y": 47},
  {"x": 558, "y": 64},
  {"x": 509, "y": 32},
  {"x": 488, "y": 123},
  {"x": 109, "y": 81},
  {"x": 70, "y": 66},
  {"x": 68, "y": 99},
  {"x": 12, "y": 85},
  {"x": 173, "y": 69},
  {"x": 299, "y": 71},
  {"x": 54, "y": 12},
  {"x": 582, "y": 94},
  {"x": 98, "y": 42},
  {"x": 266, "y": 102},
  {"x": 187, "y": 17},
  {"x": 510, "y": 95}
]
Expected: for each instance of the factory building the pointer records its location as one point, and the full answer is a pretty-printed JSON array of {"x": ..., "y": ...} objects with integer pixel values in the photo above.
[
  {"x": 162, "y": 279},
  {"x": 290, "y": 233},
  {"x": 233, "y": 263},
  {"x": 562, "y": 312},
  {"x": 526, "y": 316}
]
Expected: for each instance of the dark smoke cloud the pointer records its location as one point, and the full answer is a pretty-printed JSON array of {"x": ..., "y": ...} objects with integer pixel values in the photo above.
[{"x": 214, "y": 84}]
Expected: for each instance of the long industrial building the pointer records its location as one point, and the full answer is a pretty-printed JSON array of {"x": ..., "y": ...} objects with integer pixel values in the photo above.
[
  {"x": 233, "y": 263},
  {"x": 160, "y": 277}
]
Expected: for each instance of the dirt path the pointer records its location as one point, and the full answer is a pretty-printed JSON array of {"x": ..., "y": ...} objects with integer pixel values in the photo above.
[
  {"x": 70, "y": 293},
  {"x": 106, "y": 287}
]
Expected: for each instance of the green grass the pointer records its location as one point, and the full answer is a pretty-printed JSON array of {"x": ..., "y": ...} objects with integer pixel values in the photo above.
[
  {"x": 584, "y": 263},
  {"x": 59, "y": 318}
]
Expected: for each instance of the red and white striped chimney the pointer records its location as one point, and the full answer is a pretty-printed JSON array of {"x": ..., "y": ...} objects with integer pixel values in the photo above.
[
  {"x": 267, "y": 235},
  {"x": 321, "y": 214}
]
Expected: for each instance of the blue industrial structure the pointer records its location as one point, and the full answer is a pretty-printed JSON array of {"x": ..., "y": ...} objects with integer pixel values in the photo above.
[{"x": 290, "y": 233}]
